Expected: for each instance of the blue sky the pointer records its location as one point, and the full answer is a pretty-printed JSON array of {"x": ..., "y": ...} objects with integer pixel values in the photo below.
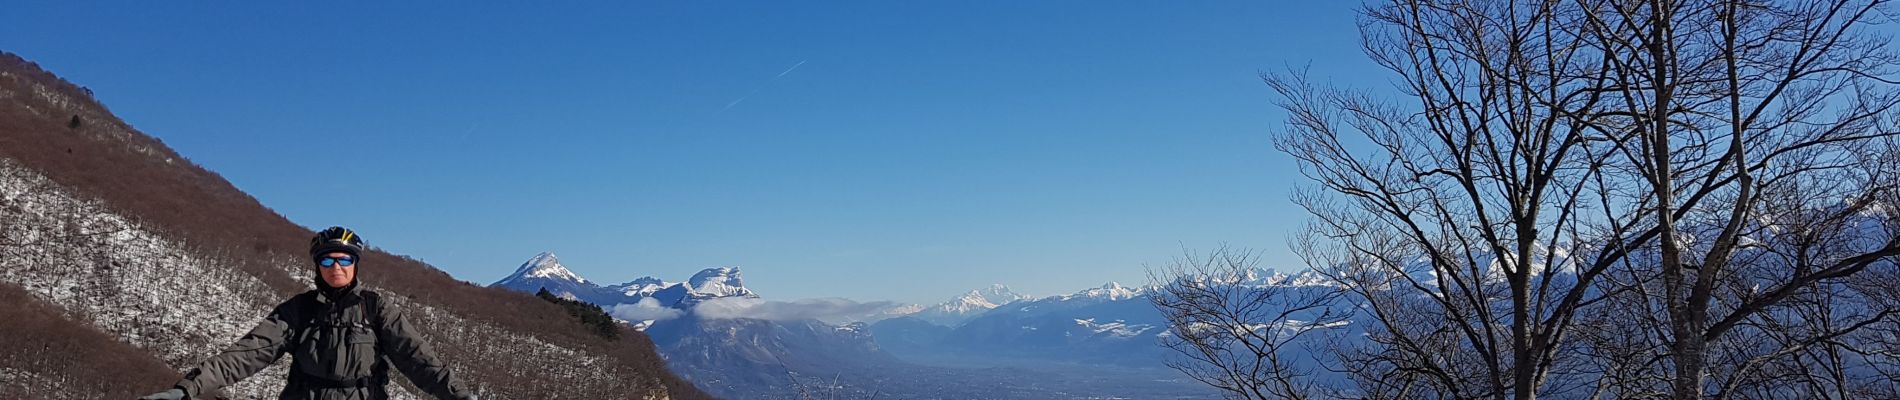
[{"x": 916, "y": 150}]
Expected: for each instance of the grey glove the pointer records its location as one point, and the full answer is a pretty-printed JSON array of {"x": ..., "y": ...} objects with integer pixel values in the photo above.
[{"x": 172, "y": 394}]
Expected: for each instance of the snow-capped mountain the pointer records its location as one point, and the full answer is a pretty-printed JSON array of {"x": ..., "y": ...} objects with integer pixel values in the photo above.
[
  {"x": 720, "y": 282},
  {"x": 1267, "y": 277},
  {"x": 711, "y": 283},
  {"x": 1111, "y": 291},
  {"x": 1111, "y": 323},
  {"x": 547, "y": 266},
  {"x": 732, "y": 356},
  {"x": 716, "y": 331},
  {"x": 643, "y": 286},
  {"x": 544, "y": 271},
  {"x": 962, "y": 308}
]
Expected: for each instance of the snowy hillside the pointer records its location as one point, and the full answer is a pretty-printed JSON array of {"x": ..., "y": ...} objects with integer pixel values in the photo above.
[
  {"x": 139, "y": 248},
  {"x": 158, "y": 299},
  {"x": 146, "y": 289}
]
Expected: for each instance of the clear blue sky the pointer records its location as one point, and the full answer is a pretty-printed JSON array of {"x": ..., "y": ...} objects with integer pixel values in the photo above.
[{"x": 918, "y": 149}]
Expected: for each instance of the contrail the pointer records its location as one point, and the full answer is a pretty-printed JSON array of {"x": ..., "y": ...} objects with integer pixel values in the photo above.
[
  {"x": 755, "y": 90},
  {"x": 789, "y": 70}
]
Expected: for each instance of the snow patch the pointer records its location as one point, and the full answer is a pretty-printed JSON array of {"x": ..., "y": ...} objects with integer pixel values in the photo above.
[
  {"x": 547, "y": 266},
  {"x": 1115, "y": 329}
]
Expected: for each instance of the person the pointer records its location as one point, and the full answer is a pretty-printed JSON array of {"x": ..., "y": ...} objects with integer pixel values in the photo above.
[{"x": 342, "y": 339}]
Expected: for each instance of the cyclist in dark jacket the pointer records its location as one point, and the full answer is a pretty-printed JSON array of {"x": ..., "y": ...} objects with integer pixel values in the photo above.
[{"x": 342, "y": 339}]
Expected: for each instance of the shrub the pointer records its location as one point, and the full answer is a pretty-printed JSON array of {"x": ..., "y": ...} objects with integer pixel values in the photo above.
[{"x": 589, "y": 314}]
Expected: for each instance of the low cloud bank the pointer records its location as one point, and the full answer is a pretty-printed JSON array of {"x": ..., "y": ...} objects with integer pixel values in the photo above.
[
  {"x": 823, "y": 309},
  {"x": 645, "y": 309}
]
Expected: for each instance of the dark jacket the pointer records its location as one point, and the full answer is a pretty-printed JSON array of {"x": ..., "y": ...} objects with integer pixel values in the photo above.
[{"x": 342, "y": 343}]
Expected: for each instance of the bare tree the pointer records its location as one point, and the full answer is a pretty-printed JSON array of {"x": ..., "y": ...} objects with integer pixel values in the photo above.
[
  {"x": 1464, "y": 206},
  {"x": 1596, "y": 196},
  {"x": 1239, "y": 331},
  {"x": 1761, "y": 132}
]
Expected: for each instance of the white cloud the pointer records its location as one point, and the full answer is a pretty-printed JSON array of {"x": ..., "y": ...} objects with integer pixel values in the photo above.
[
  {"x": 645, "y": 309},
  {"x": 825, "y": 309}
]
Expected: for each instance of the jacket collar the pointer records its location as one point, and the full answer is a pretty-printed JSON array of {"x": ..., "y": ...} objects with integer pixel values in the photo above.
[{"x": 327, "y": 294}]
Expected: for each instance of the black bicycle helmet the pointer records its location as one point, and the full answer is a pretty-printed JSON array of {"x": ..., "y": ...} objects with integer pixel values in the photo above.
[{"x": 334, "y": 239}]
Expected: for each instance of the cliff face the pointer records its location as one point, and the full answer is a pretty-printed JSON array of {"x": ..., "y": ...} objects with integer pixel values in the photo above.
[{"x": 133, "y": 263}]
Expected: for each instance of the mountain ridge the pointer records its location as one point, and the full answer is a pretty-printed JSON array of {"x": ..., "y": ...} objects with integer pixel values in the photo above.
[
  {"x": 969, "y": 305},
  {"x": 544, "y": 271}
]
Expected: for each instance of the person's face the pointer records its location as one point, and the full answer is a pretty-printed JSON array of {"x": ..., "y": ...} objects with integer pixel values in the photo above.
[{"x": 337, "y": 275}]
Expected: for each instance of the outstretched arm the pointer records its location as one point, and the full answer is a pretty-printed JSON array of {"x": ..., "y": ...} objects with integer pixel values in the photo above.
[
  {"x": 253, "y": 352},
  {"x": 399, "y": 341}
]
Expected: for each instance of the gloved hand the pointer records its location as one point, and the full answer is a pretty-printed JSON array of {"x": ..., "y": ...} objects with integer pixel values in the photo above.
[{"x": 171, "y": 394}]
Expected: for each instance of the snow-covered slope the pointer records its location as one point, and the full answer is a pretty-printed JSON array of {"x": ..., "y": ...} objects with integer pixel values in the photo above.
[
  {"x": 708, "y": 284},
  {"x": 157, "y": 295},
  {"x": 720, "y": 282},
  {"x": 135, "y": 244},
  {"x": 157, "y": 299}
]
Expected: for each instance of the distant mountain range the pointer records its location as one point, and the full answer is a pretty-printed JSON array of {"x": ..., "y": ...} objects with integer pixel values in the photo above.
[
  {"x": 962, "y": 308},
  {"x": 757, "y": 358},
  {"x": 544, "y": 271},
  {"x": 1108, "y": 324}
]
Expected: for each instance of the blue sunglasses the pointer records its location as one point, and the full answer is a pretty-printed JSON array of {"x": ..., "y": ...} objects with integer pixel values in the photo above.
[{"x": 328, "y": 262}]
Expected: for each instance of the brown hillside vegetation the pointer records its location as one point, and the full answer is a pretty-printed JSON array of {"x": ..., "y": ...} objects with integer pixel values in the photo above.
[
  {"x": 57, "y": 129},
  {"x": 67, "y": 357}
]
